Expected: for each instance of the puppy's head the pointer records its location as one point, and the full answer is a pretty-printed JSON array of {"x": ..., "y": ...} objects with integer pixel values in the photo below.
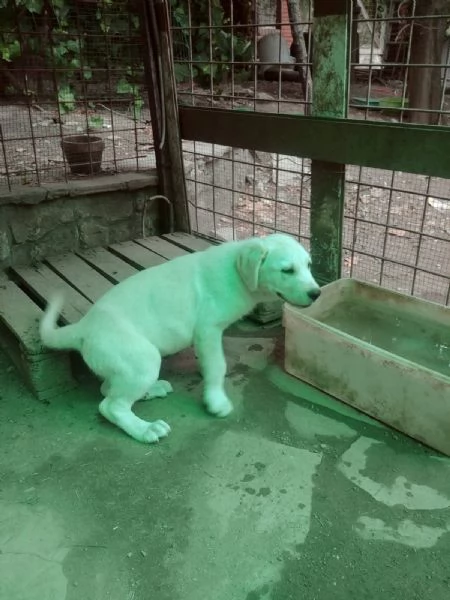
[{"x": 279, "y": 265}]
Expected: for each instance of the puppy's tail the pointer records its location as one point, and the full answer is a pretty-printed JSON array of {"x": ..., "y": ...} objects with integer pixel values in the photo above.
[{"x": 52, "y": 336}]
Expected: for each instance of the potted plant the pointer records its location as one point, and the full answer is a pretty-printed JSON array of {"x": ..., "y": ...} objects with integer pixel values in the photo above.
[{"x": 83, "y": 153}]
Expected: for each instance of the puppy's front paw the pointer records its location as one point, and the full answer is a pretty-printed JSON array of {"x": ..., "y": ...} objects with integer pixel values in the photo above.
[{"x": 218, "y": 404}]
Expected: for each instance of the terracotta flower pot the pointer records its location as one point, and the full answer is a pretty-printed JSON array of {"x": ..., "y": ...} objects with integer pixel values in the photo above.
[{"x": 83, "y": 153}]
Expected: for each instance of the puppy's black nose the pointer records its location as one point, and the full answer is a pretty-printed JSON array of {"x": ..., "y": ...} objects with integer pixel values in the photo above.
[{"x": 314, "y": 294}]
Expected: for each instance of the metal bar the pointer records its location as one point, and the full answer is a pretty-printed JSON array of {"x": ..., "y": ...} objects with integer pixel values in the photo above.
[
  {"x": 185, "y": 61},
  {"x": 355, "y": 222},
  {"x": 58, "y": 105},
  {"x": 404, "y": 109},
  {"x": 421, "y": 237},
  {"x": 79, "y": 38},
  {"x": 414, "y": 17},
  {"x": 28, "y": 94},
  {"x": 135, "y": 112},
  {"x": 386, "y": 231},
  {"x": 2, "y": 142},
  {"x": 438, "y": 65},
  {"x": 254, "y": 66},
  {"x": 418, "y": 149},
  {"x": 281, "y": 22}
]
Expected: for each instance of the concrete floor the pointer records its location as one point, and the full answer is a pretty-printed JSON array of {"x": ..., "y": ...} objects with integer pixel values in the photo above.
[{"x": 287, "y": 498}]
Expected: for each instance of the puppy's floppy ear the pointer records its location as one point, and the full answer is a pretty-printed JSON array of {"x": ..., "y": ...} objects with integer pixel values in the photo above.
[{"x": 249, "y": 261}]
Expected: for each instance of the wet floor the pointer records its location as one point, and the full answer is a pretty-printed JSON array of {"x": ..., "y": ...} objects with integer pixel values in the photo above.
[{"x": 295, "y": 495}]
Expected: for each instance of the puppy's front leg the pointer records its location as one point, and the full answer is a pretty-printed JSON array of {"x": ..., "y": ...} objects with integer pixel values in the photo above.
[{"x": 209, "y": 350}]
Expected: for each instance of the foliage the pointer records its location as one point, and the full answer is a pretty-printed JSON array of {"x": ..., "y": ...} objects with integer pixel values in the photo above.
[
  {"x": 206, "y": 38},
  {"x": 54, "y": 32},
  {"x": 66, "y": 98},
  {"x": 73, "y": 42},
  {"x": 131, "y": 89},
  {"x": 95, "y": 122}
]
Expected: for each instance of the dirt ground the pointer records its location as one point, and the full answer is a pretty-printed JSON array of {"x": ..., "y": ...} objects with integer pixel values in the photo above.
[
  {"x": 397, "y": 225},
  {"x": 295, "y": 495}
]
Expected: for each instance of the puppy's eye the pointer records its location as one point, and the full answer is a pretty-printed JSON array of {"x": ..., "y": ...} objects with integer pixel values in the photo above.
[{"x": 288, "y": 270}]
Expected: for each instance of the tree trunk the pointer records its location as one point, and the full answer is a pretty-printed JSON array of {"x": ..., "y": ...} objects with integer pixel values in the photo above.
[
  {"x": 424, "y": 83},
  {"x": 301, "y": 54}
]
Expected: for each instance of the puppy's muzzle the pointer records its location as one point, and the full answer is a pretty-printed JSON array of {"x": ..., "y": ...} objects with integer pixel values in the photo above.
[{"x": 314, "y": 294}]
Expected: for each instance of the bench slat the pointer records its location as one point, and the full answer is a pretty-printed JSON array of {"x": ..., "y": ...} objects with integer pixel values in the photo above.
[
  {"x": 81, "y": 276},
  {"x": 187, "y": 242},
  {"x": 162, "y": 247},
  {"x": 108, "y": 264},
  {"x": 136, "y": 255},
  {"x": 42, "y": 283}
]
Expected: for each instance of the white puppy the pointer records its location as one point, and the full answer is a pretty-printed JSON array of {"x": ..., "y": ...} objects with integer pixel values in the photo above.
[{"x": 165, "y": 309}]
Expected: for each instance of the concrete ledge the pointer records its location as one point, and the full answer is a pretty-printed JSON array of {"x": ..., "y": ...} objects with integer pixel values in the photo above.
[{"x": 81, "y": 187}]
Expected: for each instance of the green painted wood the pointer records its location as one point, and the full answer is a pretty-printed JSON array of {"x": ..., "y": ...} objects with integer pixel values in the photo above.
[
  {"x": 330, "y": 92},
  {"x": 162, "y": 247},
  {"x": 41, "y": 282},
  {"x": 136, "y": 255},
  {"x": 330, "y": 65},
  {"x": 187, "y": 241},
  {"x": 86, "y": 280},
  {"x": 327, "y": 215},
  {"x": 108, "y": 264},
  {"x": 392, "y": 146}
]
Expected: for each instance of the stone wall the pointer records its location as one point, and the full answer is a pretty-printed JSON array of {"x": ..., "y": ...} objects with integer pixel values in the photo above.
[{"x": 43, "y": 221}]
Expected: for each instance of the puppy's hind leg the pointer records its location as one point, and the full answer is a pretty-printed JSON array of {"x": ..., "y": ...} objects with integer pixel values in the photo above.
[
  {"x": 125, "y": 387},
  {"x": 104, "y": 389},
  {"x": 159, "y": 389},
  {"x": 118, "y": 411}
]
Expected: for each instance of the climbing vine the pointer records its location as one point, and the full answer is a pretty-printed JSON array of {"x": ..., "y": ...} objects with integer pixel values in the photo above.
[
  {"x": 74, "y": 42},
  {"x": 71, "y": 39},
  {"x": 204, "y": 39}
]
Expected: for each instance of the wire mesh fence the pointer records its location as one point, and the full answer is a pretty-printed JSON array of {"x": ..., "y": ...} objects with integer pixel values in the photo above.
[
  {"x": 239, "y": 193},
  {"x": 397, "y": 231},
  {"x": 255, "y": 55},
  {"x": 238, "y": 55},
  {"x": 73, "y": 67},
  {"x": 402, "y": 67},
  {"x": 396, "y": 225}
]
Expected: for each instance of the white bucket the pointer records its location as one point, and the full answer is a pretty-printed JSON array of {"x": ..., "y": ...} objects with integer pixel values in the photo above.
[{"x": 274, "y": 50}]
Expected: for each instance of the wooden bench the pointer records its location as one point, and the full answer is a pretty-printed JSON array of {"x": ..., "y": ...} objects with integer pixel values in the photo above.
[{"x": 84, "y": 277}]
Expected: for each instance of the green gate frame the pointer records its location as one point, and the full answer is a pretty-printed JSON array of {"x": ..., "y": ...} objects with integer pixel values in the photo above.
[{"x": 328, "y": 137}]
